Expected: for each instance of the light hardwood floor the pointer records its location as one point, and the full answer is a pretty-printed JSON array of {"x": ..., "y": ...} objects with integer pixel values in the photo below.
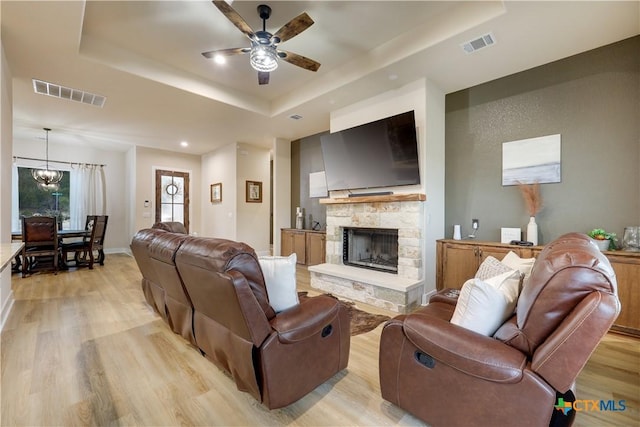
[{"x": 83, "y": 348}]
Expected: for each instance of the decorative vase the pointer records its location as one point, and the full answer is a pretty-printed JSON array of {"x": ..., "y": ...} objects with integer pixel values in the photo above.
[
  {"x": 532, "y": 231},
  {"x": 603, "y": 245}
]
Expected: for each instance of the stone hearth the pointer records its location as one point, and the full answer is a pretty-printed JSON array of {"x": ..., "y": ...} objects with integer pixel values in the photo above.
[{"x": 400, "y": 292}]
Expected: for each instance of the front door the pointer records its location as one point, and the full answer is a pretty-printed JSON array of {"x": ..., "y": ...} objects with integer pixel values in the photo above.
[{"x": 172, "y": 197}]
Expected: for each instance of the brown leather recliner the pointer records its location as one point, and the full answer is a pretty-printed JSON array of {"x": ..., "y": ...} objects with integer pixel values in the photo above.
[
  {"x": 277, "y": 358},
  {"x": 449, "y": 376},
  {"x": 177, "y": 303},
  {"x": 153, "y": 293}
]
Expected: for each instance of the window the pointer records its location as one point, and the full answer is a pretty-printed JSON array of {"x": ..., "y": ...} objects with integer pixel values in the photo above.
[{"x": 33, "y": 201}]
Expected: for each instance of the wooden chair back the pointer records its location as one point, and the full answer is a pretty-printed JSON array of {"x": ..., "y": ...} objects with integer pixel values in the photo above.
[
  {"x": 40, "y": 238},
  {"x": 98, "y": 226},
  {"x": 40, "y": 232}
]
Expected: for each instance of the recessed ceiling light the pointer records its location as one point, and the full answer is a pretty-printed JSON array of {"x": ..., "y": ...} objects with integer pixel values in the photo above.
[{"x": 184, "y": 144}]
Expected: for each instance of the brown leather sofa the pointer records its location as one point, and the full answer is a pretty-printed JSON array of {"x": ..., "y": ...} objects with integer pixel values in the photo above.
[
  {"x": 276, "y": 357},
  {"x": 173, "y": 226},
  {"x": 178, "y": 309},
  {"x": 450, "y": 376},
  {"x": 153, "y": 292}
]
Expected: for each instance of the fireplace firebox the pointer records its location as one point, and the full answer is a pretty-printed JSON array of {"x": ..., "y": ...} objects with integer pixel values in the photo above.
[{"x": 373, "y": 248}]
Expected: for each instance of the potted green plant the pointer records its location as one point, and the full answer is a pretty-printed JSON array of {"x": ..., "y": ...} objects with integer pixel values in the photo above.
[{"x": 604, "y": 240}]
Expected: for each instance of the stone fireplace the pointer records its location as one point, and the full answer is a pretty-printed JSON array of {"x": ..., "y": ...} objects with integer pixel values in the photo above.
[{"x": 397, "y": 219}]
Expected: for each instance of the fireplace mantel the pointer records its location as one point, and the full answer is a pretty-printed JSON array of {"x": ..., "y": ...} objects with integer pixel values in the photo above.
[{"x": 407, "y": 197}]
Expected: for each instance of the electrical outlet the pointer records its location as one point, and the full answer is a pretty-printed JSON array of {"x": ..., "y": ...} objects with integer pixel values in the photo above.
[{"x": 475, "y": 224}]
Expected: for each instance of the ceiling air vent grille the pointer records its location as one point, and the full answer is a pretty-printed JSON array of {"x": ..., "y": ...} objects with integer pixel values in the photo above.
[
  {"x": 62, "y": 92},
  {"x": 479, "y": 43},
  {"x": 295, "y": 117}
]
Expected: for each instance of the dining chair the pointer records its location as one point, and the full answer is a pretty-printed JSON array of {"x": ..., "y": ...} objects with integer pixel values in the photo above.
[
  {"x": 93, "y": 242},
  {"x": 40, "y": 238}
]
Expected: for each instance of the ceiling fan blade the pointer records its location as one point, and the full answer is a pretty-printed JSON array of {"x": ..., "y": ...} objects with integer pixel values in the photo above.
[
  {"x": 234, "y": 17},
  {"x": 294, "y": 27},
  {"x": 263, "y": 78},
  {"x": 299, "y": 60},
  {"x": 226, "y": 52}
]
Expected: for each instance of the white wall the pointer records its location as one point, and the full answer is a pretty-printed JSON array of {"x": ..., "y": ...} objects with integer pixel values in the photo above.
[
  {"x": 434, "y": 179},
  {"x": 234, "y": 218},
  {"x": 428, "y": 103},
  {"x": 130, "y": 168},
  {"x": 253, "y": 225},
  {"x": 6, "y": 147},
  {"x": 281, "y": 155},
  {"x": 219, "y": 219}
]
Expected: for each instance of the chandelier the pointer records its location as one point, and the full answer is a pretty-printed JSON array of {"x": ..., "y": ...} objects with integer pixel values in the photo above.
[{"x": 47, "y": 179}]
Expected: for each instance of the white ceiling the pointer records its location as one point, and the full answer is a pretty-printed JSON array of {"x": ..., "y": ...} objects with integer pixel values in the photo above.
[{"x": 145, "y": 57}]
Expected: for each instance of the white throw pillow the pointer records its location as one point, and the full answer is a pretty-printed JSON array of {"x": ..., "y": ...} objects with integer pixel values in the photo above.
[
  {"x": 524, "y": 265},
  {"x": 491, "y": 267},
  {"x": 509, "y": 284},
  {"x": 483, "y": 306},
  {"x": 280, "y": 277}
]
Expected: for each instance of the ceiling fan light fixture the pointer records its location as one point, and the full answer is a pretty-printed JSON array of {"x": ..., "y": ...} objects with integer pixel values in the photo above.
[
  {"x": 263, "y": 57},
  {"x": 220, "y": 59}
]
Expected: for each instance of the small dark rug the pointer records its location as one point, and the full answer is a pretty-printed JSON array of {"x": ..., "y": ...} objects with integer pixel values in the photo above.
[{"x": 361, "y": 321}]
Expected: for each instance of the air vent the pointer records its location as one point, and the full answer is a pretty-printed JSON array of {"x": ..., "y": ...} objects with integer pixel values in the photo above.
[
  {"x": 62, "y": 92},
  {"x": 295, "y": 117},
  {"x": 479, "y": 43}
]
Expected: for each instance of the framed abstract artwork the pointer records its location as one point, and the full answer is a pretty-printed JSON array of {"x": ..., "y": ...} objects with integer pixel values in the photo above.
[{"x": 533, "y": 160}]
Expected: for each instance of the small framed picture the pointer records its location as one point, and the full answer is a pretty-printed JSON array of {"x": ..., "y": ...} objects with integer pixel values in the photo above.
[
  {"x": 216, "y": 192},
  {"x": 254, "y": 192}
]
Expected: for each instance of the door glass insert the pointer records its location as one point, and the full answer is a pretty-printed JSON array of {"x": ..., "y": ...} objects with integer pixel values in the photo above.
[{"x": 172, "y": 197}]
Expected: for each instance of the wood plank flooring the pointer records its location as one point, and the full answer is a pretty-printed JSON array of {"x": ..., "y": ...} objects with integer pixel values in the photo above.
[{"x": 83, "y": 348}]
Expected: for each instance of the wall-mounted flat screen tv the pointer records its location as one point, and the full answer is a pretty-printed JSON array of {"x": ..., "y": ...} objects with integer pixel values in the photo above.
[{"x": 383, "y": 153}]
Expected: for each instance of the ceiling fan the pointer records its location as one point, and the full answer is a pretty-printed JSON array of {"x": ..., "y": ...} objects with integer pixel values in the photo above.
[{"x": 263, "y": 52}]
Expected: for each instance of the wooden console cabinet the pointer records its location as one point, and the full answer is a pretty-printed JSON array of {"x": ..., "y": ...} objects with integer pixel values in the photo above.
[
  {"x": 458, "y": 261},
  {"x": 308, "y": 245},
  {"x": 627, "y": 268}
]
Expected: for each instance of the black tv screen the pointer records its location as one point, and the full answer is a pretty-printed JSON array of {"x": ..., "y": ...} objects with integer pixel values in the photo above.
[{"x": 383, "y": 153}]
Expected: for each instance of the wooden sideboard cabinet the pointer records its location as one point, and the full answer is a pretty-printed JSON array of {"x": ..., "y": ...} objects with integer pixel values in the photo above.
[
  {"x": 308, "y": 245},
  {"x": 458, "y": 261},
  {"x": 627, "y": 268}
]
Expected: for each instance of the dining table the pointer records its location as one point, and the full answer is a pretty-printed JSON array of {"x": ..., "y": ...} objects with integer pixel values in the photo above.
[
  {"x": 16, "y": 236},
  {"x": 62, "y": 234}
]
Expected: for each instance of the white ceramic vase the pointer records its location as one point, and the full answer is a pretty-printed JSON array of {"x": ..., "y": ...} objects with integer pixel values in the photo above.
[
  {"x": 603, "y": 245},
  {"x": 532, "y": 231}
]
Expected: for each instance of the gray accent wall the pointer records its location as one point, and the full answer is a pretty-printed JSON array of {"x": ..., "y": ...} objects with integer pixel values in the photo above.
[
  {"x": 306, "y": 158},
  {"x": 593, "y": 101}
]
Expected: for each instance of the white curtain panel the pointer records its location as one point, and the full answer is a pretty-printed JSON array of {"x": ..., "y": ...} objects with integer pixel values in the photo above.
[
  {"x": 15, "y": 199},
  {"x": 87, "y": 194}
]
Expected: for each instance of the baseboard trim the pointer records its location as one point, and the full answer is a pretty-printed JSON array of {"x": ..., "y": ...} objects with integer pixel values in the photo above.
[{"x": 426, "y": 296}]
